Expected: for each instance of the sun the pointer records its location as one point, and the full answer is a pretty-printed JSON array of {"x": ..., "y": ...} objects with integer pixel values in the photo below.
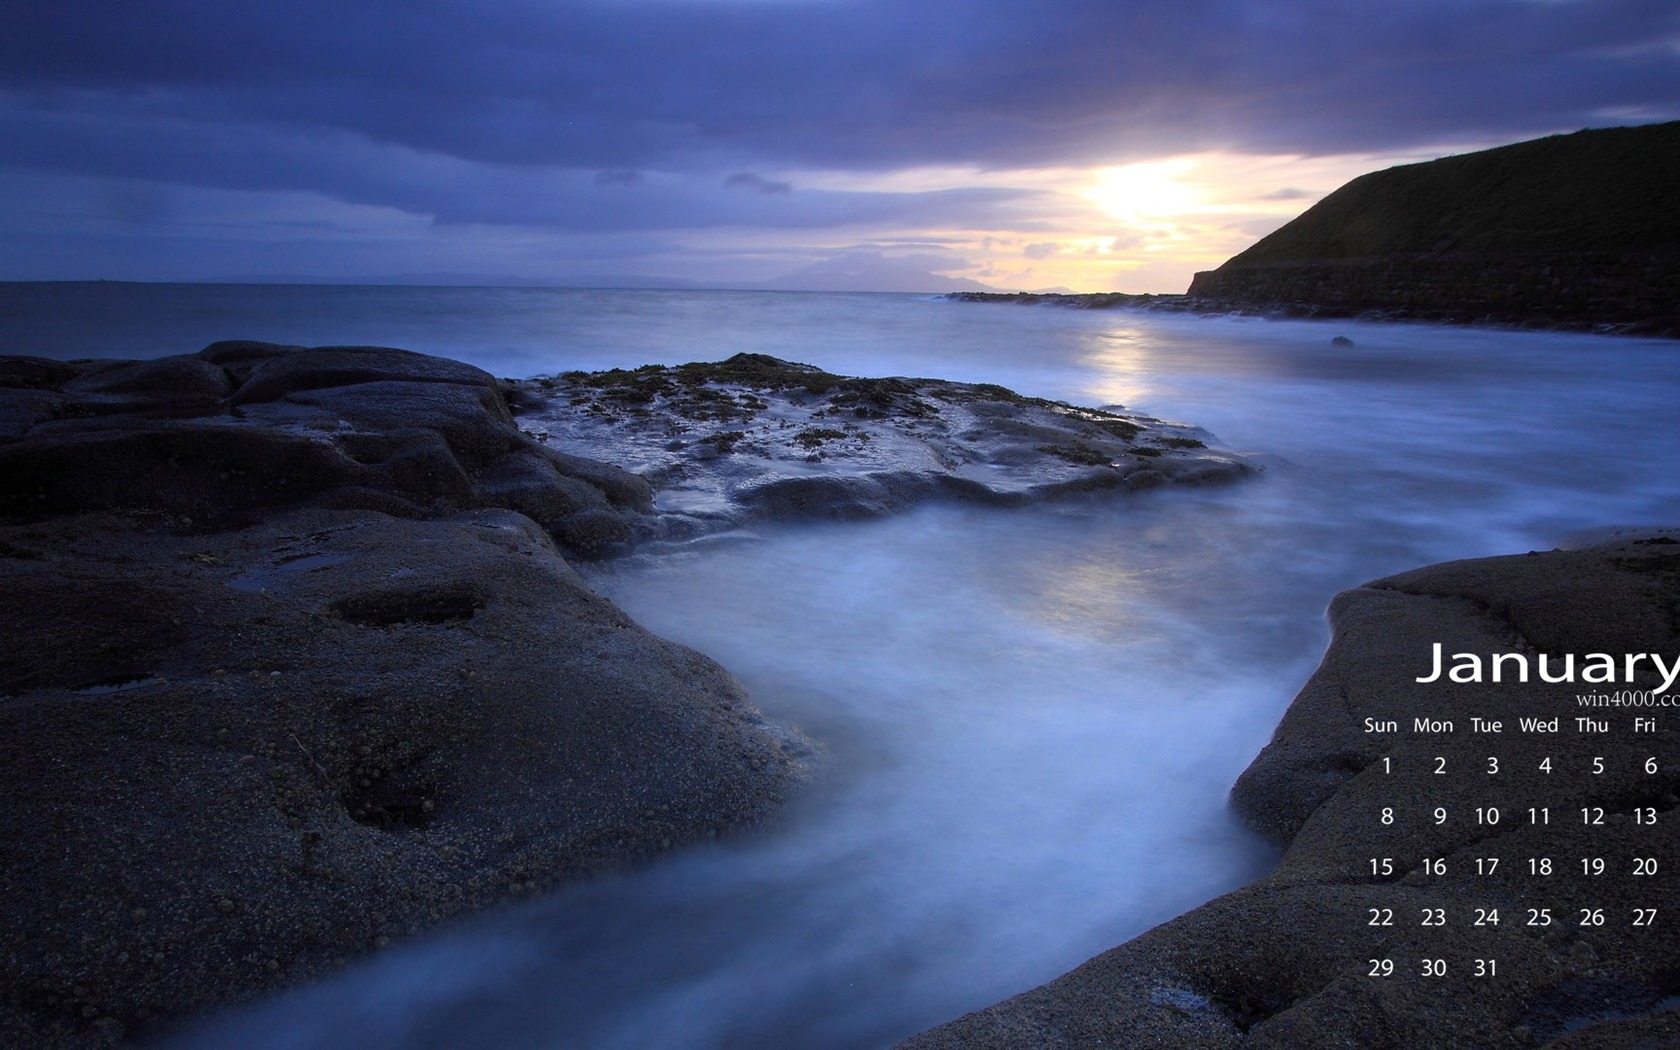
[{"x": 1147, "y": 190}]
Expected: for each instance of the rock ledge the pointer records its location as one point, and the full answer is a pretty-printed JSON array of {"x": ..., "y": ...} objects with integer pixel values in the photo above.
[
  {"x": 294, "y": 667},
  {"x": 755, "y": 437}
]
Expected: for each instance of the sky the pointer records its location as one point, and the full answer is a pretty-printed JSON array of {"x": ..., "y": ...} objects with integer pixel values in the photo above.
[{"x": 913, "y": 145}]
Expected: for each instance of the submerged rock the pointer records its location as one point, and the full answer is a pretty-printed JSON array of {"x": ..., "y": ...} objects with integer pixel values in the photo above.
[
  {"x": 752, "y": 437},
  {"x": 294, "y": 667},
  {"x": 1288, "y": 961}
]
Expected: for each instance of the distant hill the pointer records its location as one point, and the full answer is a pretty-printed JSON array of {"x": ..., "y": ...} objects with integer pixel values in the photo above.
[
  {"x": 1582, "y": 227},
  {"x": 451, "y": 279}
]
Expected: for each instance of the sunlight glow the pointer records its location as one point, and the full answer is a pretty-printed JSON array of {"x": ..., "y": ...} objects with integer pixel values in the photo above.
[
  {"x": 1145, "y": 226},
  {"x": 1146, "y": 190}
]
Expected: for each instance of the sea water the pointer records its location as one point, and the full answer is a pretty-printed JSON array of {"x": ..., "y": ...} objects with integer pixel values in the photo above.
[{"x": 1027, "y": 721}]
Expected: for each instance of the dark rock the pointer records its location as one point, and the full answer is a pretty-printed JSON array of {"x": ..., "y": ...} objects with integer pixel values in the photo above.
[
  {"x": 593, "y": 532},
  {"x": 239, "y": 357},
  {"x": 341, "y": 426},
  {"x": 840, "y": 498},
  {"x": 531, "y": 483},
  {"x": 210, "y": 471},
  {"x": 756, "y": 437},
  {"x": 622, "y": 488},
  {"x": 333, "y": 366},
  {"x": 414, "y": 603},
  {"x": 422, "y": 467},
  {"x": 176, "y": 384},
  {"x": 35, "y": 373},
  {"x": 472, "y": 419},
  {"x": 22, "y": 409},
  {"x": 284, "y": 683}
]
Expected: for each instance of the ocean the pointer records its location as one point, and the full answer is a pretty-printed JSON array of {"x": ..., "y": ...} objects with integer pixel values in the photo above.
[{"x": 1027, "y": 720}]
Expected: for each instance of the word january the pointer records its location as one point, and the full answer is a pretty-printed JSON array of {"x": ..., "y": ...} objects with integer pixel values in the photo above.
[{"x": 1595, "y": 667}]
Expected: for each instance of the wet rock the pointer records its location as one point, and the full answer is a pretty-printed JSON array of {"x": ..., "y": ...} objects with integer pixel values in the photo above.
[
  {"x": 35, "y": 373},
  {"x": 621, "y": 487},
  {"x": 532, "y": 484},
  {"x": 171, "y": 387},
  {"x": 866, "y": 496},
  {"x": 22, "y": 409},
  {"x": 247, "y": 428},
  {"x": 593, "y": 532},
  {"x": 754, "y": 437},
  {"x": 211, "y": 471},
  {"x": 240, "y": 357},
  {"x": 277, "y": 374},
  {"x": 471, "y": 419},
  {"x": 289, "y": 678}
]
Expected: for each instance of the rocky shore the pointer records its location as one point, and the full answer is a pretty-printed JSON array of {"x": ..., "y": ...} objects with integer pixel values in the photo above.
[
  {"x": 728, "y": 443},
  {"x": 297, "y": 665},
  {"x": 1290, "y": 296},
  {"x": 1287, "y": 961},
  {"x": 291, "y": 671}
]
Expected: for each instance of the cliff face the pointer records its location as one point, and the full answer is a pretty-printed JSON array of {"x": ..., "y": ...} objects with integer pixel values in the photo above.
[{"x": 1573, "y": 227}]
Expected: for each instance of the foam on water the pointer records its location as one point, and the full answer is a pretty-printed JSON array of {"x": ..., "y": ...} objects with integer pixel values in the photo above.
[{"x": 1029, "y": 720}]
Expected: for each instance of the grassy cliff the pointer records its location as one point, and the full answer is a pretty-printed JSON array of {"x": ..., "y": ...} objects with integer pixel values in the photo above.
[{"x": 1570, "y": 227}]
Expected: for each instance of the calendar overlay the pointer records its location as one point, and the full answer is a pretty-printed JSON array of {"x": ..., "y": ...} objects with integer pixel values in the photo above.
[
  {"x": 1494, "y": 752},
  {"x": 1476, "y": 797},
  {"x": 1531, "y": 834}
]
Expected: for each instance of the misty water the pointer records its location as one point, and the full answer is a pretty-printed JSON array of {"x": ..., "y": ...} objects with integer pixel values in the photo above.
[{"x": 1026, "y": 721}]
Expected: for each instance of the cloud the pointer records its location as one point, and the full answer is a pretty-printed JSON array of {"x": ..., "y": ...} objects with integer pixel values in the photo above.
[
  {"x": 865, "y": 270},
  {"x": 1041, "y": 249},
  {"x": 139, "y": 146},
  {"x": 675, "y": 86},
  {"x": 529, "y": 118},
  {"x": 618, "y": 178},
  {"x": 1289, "y": 193},
  {"x": 748, "y": 180}
]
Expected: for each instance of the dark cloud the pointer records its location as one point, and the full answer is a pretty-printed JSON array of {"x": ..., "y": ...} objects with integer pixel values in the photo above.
[
  {"x": 850, "y": 85},
  {"x": 1290, "y": 193},
  {"x": 751, "y": 181},
  {"x": 595, "y": 117},
  {"x": 617, "y": 178},
  {"x": 543, "y": 200},
  {"x": 338, "y": 165}
]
